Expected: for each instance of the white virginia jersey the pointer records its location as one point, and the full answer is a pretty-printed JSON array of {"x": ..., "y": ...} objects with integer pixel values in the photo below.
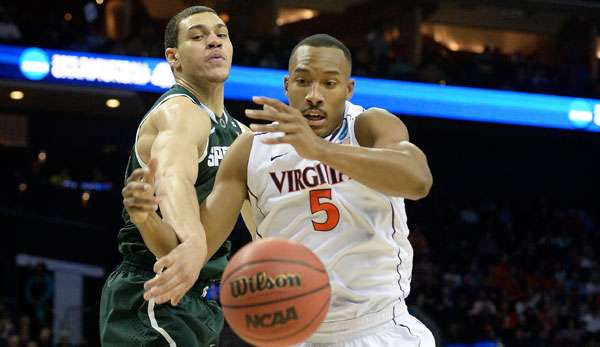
[{"x": 358, "y": 233}]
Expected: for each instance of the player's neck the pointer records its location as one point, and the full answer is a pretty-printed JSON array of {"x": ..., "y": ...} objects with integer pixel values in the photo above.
[{"x": 210, "y": 94}]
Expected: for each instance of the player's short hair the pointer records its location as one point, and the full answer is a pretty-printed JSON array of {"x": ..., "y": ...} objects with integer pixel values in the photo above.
[
  {"x": 172, "y": 29},
  {"x": 323, "y": 40}
]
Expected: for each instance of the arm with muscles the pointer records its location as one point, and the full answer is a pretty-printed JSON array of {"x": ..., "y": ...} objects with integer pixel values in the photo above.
[
  {"x": 218, "y": 213},
  {"x": 181, "y": 130},
  {"x": 386, "y": 161},
  {"x": 141, "y": 205}
]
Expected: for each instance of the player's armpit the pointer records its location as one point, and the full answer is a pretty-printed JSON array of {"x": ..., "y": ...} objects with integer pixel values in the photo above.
[{"x": 221, "y": 208}]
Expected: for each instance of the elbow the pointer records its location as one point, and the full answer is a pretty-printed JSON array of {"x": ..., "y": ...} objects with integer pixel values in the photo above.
[
  {"x": 425, "y": 186},
  {"x": 421, "y": 187}
]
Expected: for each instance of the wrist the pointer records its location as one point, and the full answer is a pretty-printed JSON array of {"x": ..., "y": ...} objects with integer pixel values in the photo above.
[
  {"x": 323, "y": 150},
  {"x": 197, "y": 243},
  {"x": 196, "y": 240},
  {"x": 144, "y": 224}
]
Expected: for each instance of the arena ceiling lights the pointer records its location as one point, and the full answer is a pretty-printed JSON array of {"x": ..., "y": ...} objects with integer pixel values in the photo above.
[{"x": 416, "y": 99}]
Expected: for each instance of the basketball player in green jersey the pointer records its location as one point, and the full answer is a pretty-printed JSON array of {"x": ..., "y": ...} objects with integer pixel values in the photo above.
[{"x": 187, "y": 132}]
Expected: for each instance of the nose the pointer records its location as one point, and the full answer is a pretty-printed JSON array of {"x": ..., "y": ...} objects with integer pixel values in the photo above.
[
  {"x": 214, "y": 41},
  {"x": 314, "y": 96}
]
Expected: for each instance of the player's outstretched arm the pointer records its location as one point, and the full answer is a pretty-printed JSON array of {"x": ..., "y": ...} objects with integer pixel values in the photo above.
[
  {"x": 182, "y": 130},
  {"x": 141, "y": 205},
  {"x": 386, "y": 161},
  {"x": 218, "y": 212}
]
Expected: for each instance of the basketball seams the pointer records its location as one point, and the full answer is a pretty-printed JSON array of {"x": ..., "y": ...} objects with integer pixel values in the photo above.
[
  {"x": 287, "y": 261},
  {"x": 316, "y": 290}
]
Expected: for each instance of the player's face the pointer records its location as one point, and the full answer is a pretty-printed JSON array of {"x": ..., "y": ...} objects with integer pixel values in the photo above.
[
  {"x": 204, "y": 48},
  {"x": 318, "y": 85}
]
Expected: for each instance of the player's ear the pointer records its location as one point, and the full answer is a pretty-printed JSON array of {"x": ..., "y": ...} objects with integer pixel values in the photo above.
[
  {"x": 286, "y": 81},
  {"x": 172, "y": 57},
  {"x": 350, "y": 89}
]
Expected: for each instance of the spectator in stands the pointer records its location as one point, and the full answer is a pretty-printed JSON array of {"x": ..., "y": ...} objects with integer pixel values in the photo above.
[
  {"x": 13, "y": 341},
  {"x": 39, "y": 289},
  {"x": 9, "y": 31},
  {"x": 45, "y": 337}
]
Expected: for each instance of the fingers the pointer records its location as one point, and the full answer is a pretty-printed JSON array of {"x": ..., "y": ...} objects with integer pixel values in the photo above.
[
  {"x": 274, "y": 103},
  {"x": 136, "y": 175},
  {"x": 264, "y": 115},
  {"x": 177, "y": 298},
  {"x": 276, "y": 140},
  {"x": 167, "y": 290},
  {"x": 151, "y": 173},
  {"x": 263, "y": 128},
  {"x": 273, "y": 110},
  {"x": 136, "y": 204},
  {"x": 174, "y": 295},
  {"x": 137, "y": 189},
  {"x": 162, "y": 263},
  {"x": 139, "y": 195},
  {"x": 274, "y": 127},
  {"x": 269, "y": 108},
  {"x": 158, "y": 281}
]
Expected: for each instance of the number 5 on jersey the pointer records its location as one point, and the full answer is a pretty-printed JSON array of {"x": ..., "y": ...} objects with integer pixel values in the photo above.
[{"x": 317, "y": 204}]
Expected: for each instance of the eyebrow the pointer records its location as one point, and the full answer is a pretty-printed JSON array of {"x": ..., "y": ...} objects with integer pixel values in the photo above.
[
  {"x": 204, "y": 27},
  {"x": 301, "y": 69},
  {"x": 331, "y": 71}
]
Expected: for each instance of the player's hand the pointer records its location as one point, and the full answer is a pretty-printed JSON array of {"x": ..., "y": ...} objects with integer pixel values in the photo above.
[
  {"x": 183, "y": 265},
  {"x": 291, "y": 122},
  {"x": 138, "y": 193}
]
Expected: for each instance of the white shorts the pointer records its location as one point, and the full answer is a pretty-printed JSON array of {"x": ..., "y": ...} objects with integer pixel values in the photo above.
[{"x": 404, "y": 331}]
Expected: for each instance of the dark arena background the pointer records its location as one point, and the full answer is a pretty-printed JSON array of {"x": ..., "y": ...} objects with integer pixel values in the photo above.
[{"x": 503, "y": 97}]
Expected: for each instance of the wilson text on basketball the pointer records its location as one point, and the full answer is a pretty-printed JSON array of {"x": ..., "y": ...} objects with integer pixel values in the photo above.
[{"x": 261, "y": 282}]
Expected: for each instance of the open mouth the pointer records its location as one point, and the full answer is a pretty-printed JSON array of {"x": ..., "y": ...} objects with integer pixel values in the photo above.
[{"x": 314, "y": 117}]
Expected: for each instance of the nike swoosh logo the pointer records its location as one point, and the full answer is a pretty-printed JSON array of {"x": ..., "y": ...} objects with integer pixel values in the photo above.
[{"x": 277, "y": 156}]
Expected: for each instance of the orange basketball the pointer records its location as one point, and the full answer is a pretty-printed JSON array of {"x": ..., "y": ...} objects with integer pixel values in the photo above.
[{"x": 275, "y": 292}]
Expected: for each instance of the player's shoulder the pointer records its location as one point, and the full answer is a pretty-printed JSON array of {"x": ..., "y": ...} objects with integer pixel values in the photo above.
[
  {"x": 378, "y": 117},
  {"x": 376, "y": 122},
  {"x": 180, "y": 112},
  {"x": 376, "y": 112},
  {"x": 177, "y": 106}
]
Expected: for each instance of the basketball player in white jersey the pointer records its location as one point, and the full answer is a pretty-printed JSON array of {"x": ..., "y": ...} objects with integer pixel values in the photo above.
[{"x": 333, "y": 176}]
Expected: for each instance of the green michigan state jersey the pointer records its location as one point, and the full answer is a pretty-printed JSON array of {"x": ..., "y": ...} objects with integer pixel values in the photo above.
[{"x": 223, "y": 132}]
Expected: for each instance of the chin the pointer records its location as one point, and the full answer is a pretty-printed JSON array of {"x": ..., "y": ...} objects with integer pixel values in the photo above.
[
  {"x": 216, "y": 78},
  {"x": 216, "y": 75}
]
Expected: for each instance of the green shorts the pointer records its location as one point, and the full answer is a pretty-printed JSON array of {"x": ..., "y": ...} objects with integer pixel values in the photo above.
[{"x": 126, "y": 319}]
